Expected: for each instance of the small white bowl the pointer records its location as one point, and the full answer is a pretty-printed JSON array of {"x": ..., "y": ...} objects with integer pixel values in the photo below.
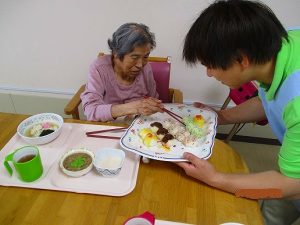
[
  {"x": 77, "y": 173},
  {"x": 108, "y": 162},
  {"x": 38, "y": 119}
]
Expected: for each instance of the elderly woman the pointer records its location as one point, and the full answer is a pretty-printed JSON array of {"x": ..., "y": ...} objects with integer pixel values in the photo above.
[{"x": 122, "y": 84}]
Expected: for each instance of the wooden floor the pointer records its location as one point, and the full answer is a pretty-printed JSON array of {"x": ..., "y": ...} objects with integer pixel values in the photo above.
[{"x": 259, "y": 157}]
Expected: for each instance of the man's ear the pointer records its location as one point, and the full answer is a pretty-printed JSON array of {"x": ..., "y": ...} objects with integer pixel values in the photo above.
[{"x": 245, "y": 61}]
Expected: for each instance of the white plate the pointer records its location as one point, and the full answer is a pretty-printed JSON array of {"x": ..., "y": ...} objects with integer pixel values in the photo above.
[{"x": 132, "y": 142}]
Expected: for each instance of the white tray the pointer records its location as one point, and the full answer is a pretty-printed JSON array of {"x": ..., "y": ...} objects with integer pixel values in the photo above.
[{"x": 73, "y": 136}]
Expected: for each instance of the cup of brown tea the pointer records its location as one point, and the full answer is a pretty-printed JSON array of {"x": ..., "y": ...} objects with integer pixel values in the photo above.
[{"x": 27, "y": 163}]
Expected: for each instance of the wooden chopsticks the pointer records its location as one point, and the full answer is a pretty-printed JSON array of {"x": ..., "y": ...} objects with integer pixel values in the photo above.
[
  {"x": 107, "y": 130},
  {"x": 174, "y": 115},
  {"x": 95, "y": 133},
  {"x": 102, "y": 136}
]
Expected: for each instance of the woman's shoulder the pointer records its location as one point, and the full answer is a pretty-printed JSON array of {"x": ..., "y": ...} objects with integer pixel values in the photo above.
[
  {"x": 147, "y": 71},
  {"x": 101, "y": 67},
  {"x": 102, "y": 61},
  {"x": 148, "y": 67}
]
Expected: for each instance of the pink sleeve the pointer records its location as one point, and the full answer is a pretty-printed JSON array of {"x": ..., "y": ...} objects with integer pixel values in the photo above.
[{"x": 92, "y": 98}]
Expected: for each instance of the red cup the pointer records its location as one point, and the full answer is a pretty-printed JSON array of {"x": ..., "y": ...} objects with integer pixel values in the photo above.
[{"x": 146, "y": 218}]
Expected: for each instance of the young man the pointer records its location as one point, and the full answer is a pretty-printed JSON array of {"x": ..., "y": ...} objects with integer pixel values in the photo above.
[{"x": 240, "y": 41}]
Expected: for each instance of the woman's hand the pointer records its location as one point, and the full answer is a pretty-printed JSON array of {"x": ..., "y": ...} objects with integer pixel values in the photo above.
[
  {"x": 148, "y": 106},
  {"x": 198, "y": 168},
  {"x": 145, "y": 106}
]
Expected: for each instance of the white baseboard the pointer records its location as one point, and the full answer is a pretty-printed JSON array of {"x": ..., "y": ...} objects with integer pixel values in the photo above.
[{"x": 39, "y": 91}]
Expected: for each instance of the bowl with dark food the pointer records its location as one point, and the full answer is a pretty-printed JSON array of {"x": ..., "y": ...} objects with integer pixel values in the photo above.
[
  {"x": 77, "y": 162},
  {"x": 41, "y": 128}
]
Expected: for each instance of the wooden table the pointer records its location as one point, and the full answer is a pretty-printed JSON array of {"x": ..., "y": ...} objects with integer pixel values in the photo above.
[{"x": 162, "y": 188}]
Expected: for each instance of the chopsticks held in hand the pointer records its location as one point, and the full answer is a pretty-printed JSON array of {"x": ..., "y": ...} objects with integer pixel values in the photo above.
[
  {"x": 95, "y": 133},
  {"x": 174, "y": 115}
]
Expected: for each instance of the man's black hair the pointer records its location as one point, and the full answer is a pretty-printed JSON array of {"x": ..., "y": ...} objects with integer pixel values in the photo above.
[{"x": 227, "y": 29}]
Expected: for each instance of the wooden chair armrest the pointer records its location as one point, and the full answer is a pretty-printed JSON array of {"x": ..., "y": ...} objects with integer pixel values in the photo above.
[
  {"x": 175, "y": 95},
  {"x": 72, "y": 106}
]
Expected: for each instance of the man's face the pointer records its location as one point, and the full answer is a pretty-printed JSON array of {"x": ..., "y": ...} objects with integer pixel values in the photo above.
[{"x": 233, "y": 77}]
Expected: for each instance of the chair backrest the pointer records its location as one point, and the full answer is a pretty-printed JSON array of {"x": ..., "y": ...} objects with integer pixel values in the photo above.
[
  {"x": 161, "y": 68},
  {"x": 242, "y": 94}
]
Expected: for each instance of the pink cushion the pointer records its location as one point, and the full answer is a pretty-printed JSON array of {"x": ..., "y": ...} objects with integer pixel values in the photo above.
[
  {"x": 242, "y": 94},
  {"x": 161, "y": 73},
  {"x": 246, "y": 91}
]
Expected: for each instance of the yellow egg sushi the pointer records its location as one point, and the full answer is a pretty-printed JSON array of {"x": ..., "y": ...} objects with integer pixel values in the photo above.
[
  {"x": 199, "y": 120},
  {"x": 143, "y": 132},
  {"x": 150, "y": 140}
]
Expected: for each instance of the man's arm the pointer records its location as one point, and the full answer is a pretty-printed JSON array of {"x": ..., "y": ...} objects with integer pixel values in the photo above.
[
  {"x": 249, "y": 111},
  {"x": 204, "y": 171}
]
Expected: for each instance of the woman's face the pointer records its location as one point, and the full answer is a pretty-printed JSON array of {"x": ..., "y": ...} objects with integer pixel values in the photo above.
[{"x": 133, "y": 62}]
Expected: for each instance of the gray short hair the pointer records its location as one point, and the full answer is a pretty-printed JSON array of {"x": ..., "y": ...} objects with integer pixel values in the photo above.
[{"x": 128, "y": 36}]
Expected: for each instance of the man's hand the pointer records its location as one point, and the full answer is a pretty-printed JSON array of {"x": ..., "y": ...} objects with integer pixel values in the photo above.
[
  {"x": 221, "y": 118},
  {"x": 198, "y": 168}
]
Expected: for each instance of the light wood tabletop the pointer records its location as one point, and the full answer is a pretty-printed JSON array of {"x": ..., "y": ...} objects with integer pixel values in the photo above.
[{"x": 162, "y": 188}]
